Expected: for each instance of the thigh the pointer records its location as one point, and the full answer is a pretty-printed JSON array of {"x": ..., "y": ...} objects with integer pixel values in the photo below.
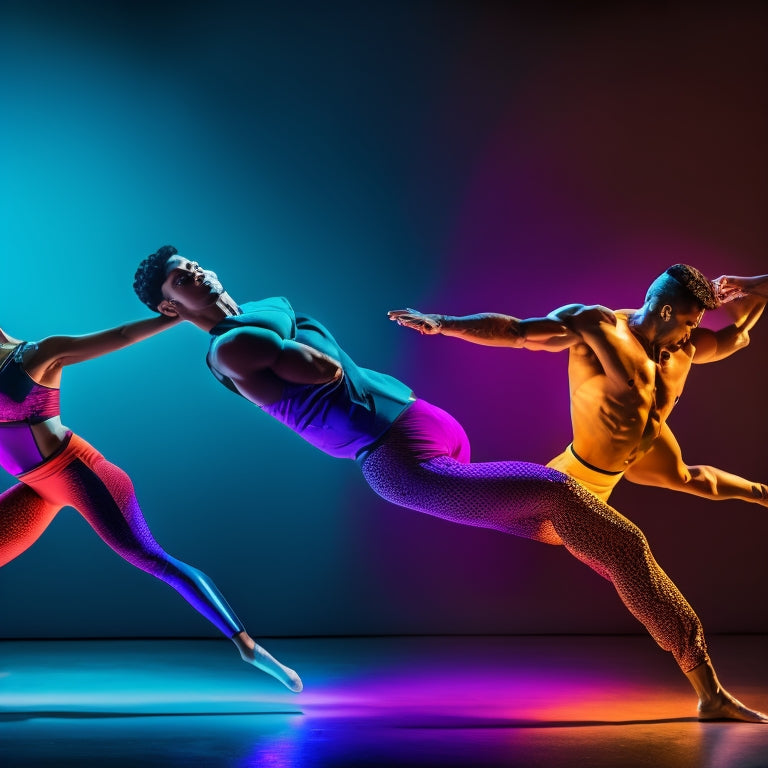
[
  {"x": 103, "y": 494},
  {"x": 597, "y": 534},
  {"x": 508, "y": 496},
  {"x": 24, "y": 515},
  {"x": 662, "y": 466}
]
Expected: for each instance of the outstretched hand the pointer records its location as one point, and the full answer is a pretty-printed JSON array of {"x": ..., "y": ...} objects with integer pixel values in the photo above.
[{"x": 412, "y": 318}]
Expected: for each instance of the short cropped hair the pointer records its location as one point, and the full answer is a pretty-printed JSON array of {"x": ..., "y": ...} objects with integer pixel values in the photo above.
[
  {"x": 683, "y": 282},
  {"x": 149, "y": 277},
  {"x": 696, "y": 284}
]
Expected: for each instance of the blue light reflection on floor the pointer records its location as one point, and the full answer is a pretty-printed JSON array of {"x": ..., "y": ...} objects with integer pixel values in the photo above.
[{"x": 376, "y": 701}]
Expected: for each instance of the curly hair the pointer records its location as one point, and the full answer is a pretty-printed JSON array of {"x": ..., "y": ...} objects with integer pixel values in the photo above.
[
  {"x": 695, "y": 284},
  {"x": 149, "y": 277},
  {"x": 683, "y": 284}
]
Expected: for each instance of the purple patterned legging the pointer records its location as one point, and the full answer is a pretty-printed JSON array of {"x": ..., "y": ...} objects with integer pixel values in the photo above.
[
  {"x": 422, "y": 463},
  {"x": 103, "y": 494}
]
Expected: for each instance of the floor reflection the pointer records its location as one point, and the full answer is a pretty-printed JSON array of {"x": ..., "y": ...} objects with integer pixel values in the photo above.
[{"x": 445, "y": 702}]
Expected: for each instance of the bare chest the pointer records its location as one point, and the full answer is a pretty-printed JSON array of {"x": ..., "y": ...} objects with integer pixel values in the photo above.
[
  {"x": 648, "y": 390},
  {"x": 670, "y": 372}
]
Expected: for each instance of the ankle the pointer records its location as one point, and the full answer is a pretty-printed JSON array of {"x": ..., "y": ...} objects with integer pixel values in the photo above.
[
  {"x": 245, "y": 644},
  {"x": 705, "y": 683}
]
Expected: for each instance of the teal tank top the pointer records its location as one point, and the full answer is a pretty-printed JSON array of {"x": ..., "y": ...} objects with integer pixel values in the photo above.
[{"x": 342, "y": 418}]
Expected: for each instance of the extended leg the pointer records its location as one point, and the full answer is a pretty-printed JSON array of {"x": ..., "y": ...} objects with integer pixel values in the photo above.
[
  {"x": 539, "y": 503},
  {"x": 663, "y": 466},
  {"x": 104, "y": 496}
]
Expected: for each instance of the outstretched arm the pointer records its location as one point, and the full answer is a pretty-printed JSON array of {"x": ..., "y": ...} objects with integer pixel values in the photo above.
[
  {"x": 663, "y": 466},
  {"x": 492, "y": 329},
  {"x": 44, "y": 364}
]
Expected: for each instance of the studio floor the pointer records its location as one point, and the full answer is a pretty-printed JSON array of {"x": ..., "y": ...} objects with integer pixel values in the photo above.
[{"x": 600, "y": 702}]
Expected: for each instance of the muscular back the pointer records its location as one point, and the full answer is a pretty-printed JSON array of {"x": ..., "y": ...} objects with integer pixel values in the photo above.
[{"x": 621, "y": 391}]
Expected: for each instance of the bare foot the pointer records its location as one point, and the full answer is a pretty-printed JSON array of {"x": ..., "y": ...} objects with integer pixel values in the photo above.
[
  {"x": 715, "y": 703},
  {"x": 726, "y": 707}
]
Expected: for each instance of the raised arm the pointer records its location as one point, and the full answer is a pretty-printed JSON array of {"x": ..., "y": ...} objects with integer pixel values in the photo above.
[
  {"x": 492, "y": 329},
  {"x": 44, "y": 363},
  {"x": 744, "y": 299}
]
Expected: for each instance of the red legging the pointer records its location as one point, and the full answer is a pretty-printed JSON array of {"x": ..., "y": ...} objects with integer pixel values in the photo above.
[{"x": 103, "y": 494}]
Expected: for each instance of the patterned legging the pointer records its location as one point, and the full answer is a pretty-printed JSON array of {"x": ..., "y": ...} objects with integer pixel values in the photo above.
[
  {"x": 423, "y": 464},
  {"x": 103, "y": 494}
]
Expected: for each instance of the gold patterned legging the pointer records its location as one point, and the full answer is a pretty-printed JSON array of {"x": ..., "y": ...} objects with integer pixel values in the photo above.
[{"x": 422, "y": 463}]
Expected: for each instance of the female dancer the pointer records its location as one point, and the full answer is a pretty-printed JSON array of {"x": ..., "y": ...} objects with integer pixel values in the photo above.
[{"x": 57, "y": 469}]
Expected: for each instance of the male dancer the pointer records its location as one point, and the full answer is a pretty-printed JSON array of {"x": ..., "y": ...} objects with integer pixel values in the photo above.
[
  {"x": 626, "y": 371},
  {"x": 417, "y": 456}
]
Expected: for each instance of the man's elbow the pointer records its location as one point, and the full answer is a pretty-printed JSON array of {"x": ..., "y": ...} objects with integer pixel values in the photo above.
[
  {"x": 702, "y": 480},
  {"x": 742, "y": 340},
  {"x": 738, "y": 341},
  {"x": 725, "y": 346}
]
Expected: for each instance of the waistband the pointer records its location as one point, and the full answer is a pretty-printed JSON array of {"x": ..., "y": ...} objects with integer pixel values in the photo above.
[
  {"x": 592, "y": 466},
  {"x": 596, "y": 481},
  {"x": 364, "y": 453},
  {"x": 73, "y": 447}
]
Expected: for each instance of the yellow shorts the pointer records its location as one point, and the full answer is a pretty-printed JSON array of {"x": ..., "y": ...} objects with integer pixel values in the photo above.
[{"x": 599, "y": 483}]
